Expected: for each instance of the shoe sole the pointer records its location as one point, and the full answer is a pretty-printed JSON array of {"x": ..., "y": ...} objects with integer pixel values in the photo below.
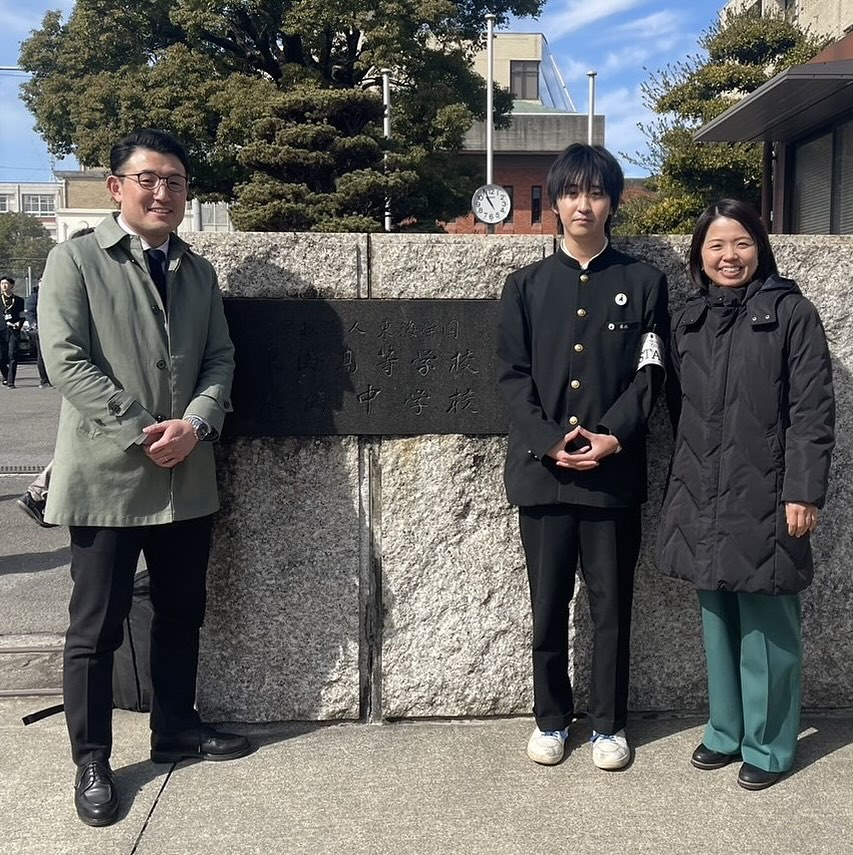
[
  {"x": 98, "y": 823},
  {"x": 710, "y": 767},
  {"x": 613, "y": 765},
  {"x": 177, "y": 756},
  {"x": 755, "y": 787},
  {"x": 547, "y": 761}
]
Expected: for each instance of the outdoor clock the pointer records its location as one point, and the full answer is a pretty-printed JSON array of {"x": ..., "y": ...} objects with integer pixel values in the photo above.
[{"x": 490, "y": 204}]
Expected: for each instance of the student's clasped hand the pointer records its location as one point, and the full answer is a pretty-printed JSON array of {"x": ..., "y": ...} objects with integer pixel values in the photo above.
[{"x": 595, "y": 446}]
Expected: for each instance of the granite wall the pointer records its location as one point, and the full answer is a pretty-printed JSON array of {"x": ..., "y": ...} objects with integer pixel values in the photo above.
[{"x": 381, "y": 577}]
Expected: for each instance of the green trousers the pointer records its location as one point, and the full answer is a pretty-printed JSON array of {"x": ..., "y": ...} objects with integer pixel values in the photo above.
[{"x": 753, "y": 648}]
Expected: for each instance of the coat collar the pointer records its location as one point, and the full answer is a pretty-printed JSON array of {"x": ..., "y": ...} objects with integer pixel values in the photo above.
[
  {"x": 603, "y": 258},
  {"x": 762, "y": 301},
  {"x": 109, "y": 234}
]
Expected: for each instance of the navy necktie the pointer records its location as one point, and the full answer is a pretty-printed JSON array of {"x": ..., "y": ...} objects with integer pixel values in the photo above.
[{"x": 156, "y": 259}]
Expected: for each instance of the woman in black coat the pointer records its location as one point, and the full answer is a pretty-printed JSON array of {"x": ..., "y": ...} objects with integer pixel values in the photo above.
[{"x": 755, "y": 416}]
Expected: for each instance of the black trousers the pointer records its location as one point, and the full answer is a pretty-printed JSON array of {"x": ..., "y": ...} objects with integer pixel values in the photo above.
[
  {"x": 607, "y": 542},
  {"x": 103, "y": 564},
  {"x": 34, "y": 338},
  {"x": 9, "y": 353}
]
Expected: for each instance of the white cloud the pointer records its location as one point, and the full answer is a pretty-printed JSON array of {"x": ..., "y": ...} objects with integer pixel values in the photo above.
[
  {"x": 577, "y": 14},
  {"x": 652, "y": 26}
]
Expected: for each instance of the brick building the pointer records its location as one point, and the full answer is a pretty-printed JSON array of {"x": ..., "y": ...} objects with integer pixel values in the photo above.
[{"x": 544, "y": 122}]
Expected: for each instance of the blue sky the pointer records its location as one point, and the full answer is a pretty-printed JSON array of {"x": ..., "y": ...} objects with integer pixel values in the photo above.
[{"x": 616, "y": 38}]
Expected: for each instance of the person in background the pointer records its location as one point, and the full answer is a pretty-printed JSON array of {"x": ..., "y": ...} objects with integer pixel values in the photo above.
[
  {"x": 34, "y": 500},
  {"x": 10, "y": 330},
  {"x": 755, "y": 415},
  {"x": 134, "y": 336},
  {"x": 31, "y": 317},
  {"x": 580, "y": 349}
]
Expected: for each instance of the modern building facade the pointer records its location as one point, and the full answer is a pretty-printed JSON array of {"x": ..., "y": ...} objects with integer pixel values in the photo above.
[
  {"x": 544, "y": 122},
  {"x": 41, "y": 201},
  {"x": 832, "y": 18}
]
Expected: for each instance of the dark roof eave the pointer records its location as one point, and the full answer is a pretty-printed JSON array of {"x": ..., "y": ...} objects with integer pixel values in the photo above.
[{"x": 787, "y": 106}]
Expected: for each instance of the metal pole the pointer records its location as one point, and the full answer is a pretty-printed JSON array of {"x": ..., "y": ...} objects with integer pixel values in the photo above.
[
  {"x": 386, "y": 129},
  {"x": 591, "y": 115},
  {"x": 490, "y": 97},
  {"x": 767, "y": 186}
]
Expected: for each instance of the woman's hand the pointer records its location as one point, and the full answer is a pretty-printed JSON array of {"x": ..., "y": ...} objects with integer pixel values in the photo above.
[{"x": 802, "y": 518}]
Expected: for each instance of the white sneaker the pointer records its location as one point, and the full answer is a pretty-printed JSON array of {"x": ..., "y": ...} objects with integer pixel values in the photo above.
[
  {"x": 610, "y": 751},
  {"x": 547, "y": 747}
]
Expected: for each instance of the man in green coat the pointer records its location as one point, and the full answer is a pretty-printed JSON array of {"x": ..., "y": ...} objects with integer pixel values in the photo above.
[{"x": 135, "y": 338}]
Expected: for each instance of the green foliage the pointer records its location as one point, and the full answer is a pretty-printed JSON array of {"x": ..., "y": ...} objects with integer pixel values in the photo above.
[
  {"x": 743, "y": 53},
  {"x": 24, "y": 242},
  {"x": 215, "y": 74}
]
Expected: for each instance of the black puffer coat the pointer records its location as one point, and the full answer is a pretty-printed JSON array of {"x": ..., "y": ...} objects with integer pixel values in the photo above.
[{"x": 756, "y": 424}]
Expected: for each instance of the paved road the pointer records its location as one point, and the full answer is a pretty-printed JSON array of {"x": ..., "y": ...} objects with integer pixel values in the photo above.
[{"x": 28, "y": 419}]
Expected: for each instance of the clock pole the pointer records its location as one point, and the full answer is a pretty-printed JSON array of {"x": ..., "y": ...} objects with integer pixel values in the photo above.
[{"x": 490, "y": 104}]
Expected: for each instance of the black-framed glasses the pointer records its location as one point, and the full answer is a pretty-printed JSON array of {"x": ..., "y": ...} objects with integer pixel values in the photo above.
[{"x": 151, "y": 180}]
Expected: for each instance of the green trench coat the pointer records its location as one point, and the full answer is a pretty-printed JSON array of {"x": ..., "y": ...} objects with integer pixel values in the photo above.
[{"x": 121, "y": 364}]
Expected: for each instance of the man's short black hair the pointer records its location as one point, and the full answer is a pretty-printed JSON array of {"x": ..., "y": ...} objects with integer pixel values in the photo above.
[
  {"x": 747, "y": 216},
  {"x": 150, "y": 138},
  {"x": 8, "y": 279},
  {"x": 584, "y": 166}
]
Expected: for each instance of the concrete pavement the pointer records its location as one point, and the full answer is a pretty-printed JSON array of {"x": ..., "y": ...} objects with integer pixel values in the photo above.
[{"x": 425, "y": 788}]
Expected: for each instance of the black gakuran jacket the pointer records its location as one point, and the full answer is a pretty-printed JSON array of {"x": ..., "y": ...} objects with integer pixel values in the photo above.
[
  {"x": 755, "y": 430},
  {"x": 569, "y": 353}
]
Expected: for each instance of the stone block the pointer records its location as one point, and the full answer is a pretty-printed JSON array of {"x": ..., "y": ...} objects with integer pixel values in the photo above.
[
  {"x": 284, "y": 625},
  {"x": 456, "y": 635},
  {"x": 469, "y": 266},
  {"x": 281, "y": 638},
  {"x": 286, "y": 264}
]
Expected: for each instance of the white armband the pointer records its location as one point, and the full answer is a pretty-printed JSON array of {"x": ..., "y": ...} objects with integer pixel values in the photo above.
[{"x": 651, "y": 350}]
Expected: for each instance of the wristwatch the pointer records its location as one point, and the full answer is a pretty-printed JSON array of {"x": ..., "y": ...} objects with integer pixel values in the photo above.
[{"x": 201, "y": 429}]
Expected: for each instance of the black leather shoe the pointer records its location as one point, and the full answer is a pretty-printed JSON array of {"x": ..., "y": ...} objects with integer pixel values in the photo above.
[
  {"x": 95, "y": 794},
  {"x": 752, "y": 778},
  {"x": 198, "y": 743},
  {"x": 706, "y": 759}
]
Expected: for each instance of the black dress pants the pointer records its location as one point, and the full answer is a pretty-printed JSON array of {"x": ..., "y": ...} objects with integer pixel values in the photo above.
[
  {"x": 103, "y": 564},
  {"x": 34, "y": 338},
  {"x": 9, "y": 353},
  {"x": 607, "y": 542}
]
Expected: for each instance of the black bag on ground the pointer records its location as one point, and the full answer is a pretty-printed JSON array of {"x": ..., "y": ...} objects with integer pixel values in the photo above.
[{"x": 131, "y": 672}]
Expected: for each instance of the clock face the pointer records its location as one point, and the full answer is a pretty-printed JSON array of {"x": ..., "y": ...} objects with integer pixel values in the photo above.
[{"x": 490, "y": 203}]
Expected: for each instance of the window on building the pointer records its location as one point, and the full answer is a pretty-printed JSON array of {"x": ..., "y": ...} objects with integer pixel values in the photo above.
[
  {"x": 843, "y": 183},
  {"x": 536, "y": 204},
  {"x": 41, "y": 205},
  {"x": 822, "y": 184},
  {"x": 4, "y": 204},
  {"x": 524, "y": 79},
  {"x": 508, "y": 188}
]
